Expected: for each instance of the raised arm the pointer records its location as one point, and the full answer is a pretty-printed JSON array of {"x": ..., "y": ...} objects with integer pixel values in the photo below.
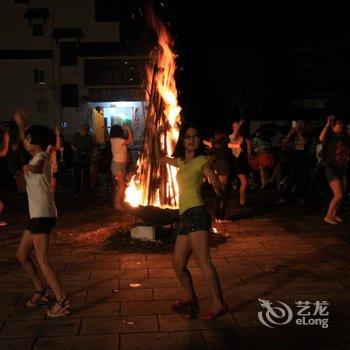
[
  {"x": 58, "y": 140},
  {"x": 287, "y": 138},
  {"x": 325, "y": 130},
  {"x": 5, "y": 147},
  {"x": 209, "y": 173},
  {"x": 130, "y": 139}
]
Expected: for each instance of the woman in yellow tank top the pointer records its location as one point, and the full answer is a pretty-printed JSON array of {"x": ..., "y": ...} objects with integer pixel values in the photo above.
[{"x": 195, "y": 220}]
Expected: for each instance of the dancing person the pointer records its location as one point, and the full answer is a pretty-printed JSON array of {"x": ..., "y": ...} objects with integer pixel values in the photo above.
[
  {"x": 297, "y": 163},
  {"x": 221, "y": 163},
  {"x": 4, "y": 147},
  {"x": 336, "y": 156},
  {"x": 241, "y": 148},
  {"x": 118, "y": 165},
  {"x": 82, "y": 146},
  {"x": 52, "y": 150},
  {"x": 263, "y": 160},
  {"x": 43, "y": 215},
  {"x": 195, "y": 220}
]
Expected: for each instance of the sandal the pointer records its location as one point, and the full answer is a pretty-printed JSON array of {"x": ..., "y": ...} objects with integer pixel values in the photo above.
[
  {"x": 59, "y": 309},
  {"x": 211, "y": 315},
  {"x": 182, "y": 303},
  {"x": 330, "y": 220},
  {"x": 337, "y": 218},
  {"x": 40, "y": 297}
]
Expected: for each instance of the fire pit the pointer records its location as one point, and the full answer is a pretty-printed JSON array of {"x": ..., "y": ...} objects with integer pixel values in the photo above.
[{"x": 156, "y": 216}]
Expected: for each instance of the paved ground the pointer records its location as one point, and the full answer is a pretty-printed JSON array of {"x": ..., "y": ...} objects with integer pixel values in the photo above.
[{"x": 286, "y": 255}]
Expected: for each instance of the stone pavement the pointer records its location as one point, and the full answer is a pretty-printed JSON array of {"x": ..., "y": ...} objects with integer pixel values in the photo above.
[{"x": 286, "y": 255}]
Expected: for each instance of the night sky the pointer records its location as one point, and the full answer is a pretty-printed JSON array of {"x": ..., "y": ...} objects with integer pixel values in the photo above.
[{"x": 218, "y": 27}]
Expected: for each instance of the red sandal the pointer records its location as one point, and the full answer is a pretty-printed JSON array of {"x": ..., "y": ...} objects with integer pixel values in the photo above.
[
  {"x": 182, "y": 303},
  {"x": 211, "y": 315}
]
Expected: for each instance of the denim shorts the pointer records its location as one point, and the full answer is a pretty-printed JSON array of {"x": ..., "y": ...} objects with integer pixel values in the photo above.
[
  {"x": 41, "y": 225},
  {"x": 195, "y": 219}
]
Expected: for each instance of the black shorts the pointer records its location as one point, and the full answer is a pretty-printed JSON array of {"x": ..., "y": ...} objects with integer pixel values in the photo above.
[
  {"x": 333, "y": 174},
  {"x": 41, "y": 225},
  {"x": 195, "y": 219}
]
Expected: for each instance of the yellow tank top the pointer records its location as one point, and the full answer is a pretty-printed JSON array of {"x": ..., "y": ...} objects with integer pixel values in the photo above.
[{"x": 189, "y": 178}]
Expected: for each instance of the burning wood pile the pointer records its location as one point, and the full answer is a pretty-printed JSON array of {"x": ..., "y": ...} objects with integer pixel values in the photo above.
[{"x": 155, "y": 184}]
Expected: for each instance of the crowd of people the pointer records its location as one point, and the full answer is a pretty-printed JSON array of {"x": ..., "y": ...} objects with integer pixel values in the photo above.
[
  {"x": 283, "y": 162},
  {"x": 35, "y": 158}
]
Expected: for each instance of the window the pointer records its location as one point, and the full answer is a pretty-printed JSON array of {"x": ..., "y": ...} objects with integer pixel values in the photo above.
[
  {"x": 68, "y": 53},
  {"x": 112, "y": 72},
  {"x": 69, "y": 95},
  {"x": 39, "y": 76},
  {"x": 38, "y": 29},
  {"x": 107, "y": 10}
]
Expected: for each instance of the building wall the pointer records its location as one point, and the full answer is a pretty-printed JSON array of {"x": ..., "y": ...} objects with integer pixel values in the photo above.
[{"x": 17, "y": 75}]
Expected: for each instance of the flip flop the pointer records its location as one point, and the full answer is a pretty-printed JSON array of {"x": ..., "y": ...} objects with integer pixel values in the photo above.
[
  {"x": 211, "y": 315},
  {"x": 182, "y": 303}
]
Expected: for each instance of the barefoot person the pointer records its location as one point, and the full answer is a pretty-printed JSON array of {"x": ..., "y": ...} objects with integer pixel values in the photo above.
[
  {"x": 43, "y": 214},
  {"x": 196, "y": 221},
  {"x": 336, "y": 155},
  {"x": 120, "y": 157}
]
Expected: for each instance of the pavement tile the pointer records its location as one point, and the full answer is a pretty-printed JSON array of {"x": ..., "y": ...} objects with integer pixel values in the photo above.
[
  {"x": 296, "y": 258},
  {"x": 38, "y": 328},
  {"x": 314, "y": 287},
  {"x": 166, "y": 256},
  {"x": 155, "y": 307},
  {"x": 177, "y": 292},
  {"x": 120, "y": 324},
  {"x": 145, "y": 264},
  {"x": 16, "y": 344},
  {"x": 254, "y": 260},
  {"x": 238, "y": 268},
  {"x": 169, "y": 272},
  {"x": 270, "y": 277},
  {"x": 107, "y": 257},
  {"x": 74, "y": 275},
  {"x": 221, "y": 339},
  {"x": 86, "y": 342},
  {"x": 181, "y": 322},
  {"x": 153, "y": 282},
  {"x": 22, "y": 313},
  {"x": 9, "y": 299},
  {"x": 97, "y": 296},
  {"x": 163, "y": 340},
  {"x": 109, "y": 274},
  {"x": 133, "y": 256},
  {"x": 96, "y": 310}
]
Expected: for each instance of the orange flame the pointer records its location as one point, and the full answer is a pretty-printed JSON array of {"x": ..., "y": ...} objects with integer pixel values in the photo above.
[{"x": 137, "y": 192}]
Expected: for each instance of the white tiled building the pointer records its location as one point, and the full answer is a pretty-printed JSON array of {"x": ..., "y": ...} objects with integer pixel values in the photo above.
[{"x": 59, "y": 59}]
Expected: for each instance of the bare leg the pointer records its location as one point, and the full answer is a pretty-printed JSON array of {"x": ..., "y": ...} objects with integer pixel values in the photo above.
[
  {"x": 337, "y": 188},
  {"x": 182, "y": 253},
  {"x": 120, "y": 193},
  {"x": 243, "y": 188},
  {"x": 41, "y": 246},
  {"x": 23, "y": 255},
  {"x": 200, "y": 246}
]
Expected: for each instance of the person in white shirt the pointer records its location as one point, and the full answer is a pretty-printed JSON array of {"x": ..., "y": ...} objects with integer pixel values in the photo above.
[
  {"x": 43, "y": 215},
  {"x": 119, "y": 160}
]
